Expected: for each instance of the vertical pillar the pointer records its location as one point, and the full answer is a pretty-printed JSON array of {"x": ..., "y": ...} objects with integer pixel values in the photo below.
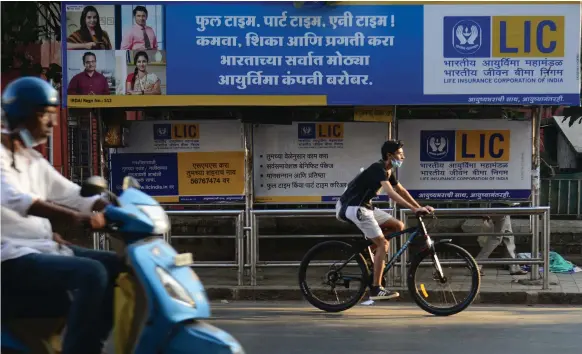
[
  {"x": 535, "y": 179},
  {"x": 249, "y": 195},
  {"x": 391, "y": 276}
]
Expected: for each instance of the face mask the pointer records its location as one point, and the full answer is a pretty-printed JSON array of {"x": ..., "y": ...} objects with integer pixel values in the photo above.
[{"x": 396, "y": 163}]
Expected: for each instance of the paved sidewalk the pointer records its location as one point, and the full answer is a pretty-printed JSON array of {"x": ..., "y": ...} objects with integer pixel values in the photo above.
[{"x": 497, "y": 287}]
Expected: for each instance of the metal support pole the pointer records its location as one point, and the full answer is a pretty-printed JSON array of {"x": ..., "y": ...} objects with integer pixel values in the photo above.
[
  {"x": 240, "y": 247},
  {"x": 535, "y": 241},
  {"x": 404, "y": 256},
  {"x": 546, "y": 239},
  {"x": 536, "y": 126},
  {"x": 96, "y": 238},
  {"x": 249, "y": 192},
  {"x": 253, "y": 248}
]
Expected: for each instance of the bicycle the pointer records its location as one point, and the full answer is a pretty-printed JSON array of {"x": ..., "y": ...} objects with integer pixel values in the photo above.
[{"x": 357, "y": 252}]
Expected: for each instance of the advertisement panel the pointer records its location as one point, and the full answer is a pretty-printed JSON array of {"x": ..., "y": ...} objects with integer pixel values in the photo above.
[
  {"x": 456, "y": 159},
  {"x": 497, "y": 51},
  {"x": 273, "y": 53},
  {"x": 310, "y": 162},
  {"x": 183, "y": 161}
]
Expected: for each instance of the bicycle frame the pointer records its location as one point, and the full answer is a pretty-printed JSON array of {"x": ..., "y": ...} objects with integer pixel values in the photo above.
[{"x": 415, "y": 231}]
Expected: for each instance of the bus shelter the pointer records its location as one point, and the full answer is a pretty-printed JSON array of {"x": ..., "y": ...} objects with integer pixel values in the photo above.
[{"x": 254, "y": 111}]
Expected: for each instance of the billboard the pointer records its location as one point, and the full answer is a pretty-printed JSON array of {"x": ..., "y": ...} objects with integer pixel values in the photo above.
[
  {"x": 183, "y": 161},
  {"x": 466, "y": 159},
  {"x": 309, "y": 162},
  {"x": 272, "y": 53}
]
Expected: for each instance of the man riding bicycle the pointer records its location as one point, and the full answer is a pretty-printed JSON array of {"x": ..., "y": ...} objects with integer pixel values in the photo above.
[{"x": 355, "y": 205}]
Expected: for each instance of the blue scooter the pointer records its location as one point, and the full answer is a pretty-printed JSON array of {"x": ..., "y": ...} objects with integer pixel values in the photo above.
[{"x": 160, "y": 303}]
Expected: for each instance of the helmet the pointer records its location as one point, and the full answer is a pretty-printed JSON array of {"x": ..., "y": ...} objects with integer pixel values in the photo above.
[{"x": 23, "y": 96}]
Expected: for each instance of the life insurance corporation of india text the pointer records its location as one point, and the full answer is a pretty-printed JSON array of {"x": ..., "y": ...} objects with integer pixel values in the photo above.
[
  {"x": 464, "y": 171},
  {"x": 310, "y": 40},
  {"x": 506, "y": 71}
]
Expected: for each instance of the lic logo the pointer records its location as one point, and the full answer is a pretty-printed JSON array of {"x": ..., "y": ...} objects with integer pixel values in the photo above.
[
  {"x": 437, "y": 145},
  {"x": 333, "y": 131},
  {"x": 306, "y": 131},
  {"x": 466, "y": 36},
  {"x": 162, "y": 131}
]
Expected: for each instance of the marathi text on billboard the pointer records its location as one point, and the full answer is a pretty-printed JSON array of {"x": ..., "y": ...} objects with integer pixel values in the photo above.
[{"x": 275, "y": 54}]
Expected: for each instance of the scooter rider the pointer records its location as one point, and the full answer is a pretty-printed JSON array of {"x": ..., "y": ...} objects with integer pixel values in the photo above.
[{"x": 35, "y": 261}]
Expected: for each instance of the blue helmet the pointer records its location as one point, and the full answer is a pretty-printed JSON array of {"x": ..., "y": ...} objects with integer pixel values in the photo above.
[{"x": 22, "y": 97}]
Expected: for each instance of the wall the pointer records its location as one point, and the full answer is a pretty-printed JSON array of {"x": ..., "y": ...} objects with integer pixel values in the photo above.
[{"x": 566, "y": 156}]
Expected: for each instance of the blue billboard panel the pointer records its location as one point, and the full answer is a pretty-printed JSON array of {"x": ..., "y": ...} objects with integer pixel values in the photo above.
[{"x": 273, "y": 53}]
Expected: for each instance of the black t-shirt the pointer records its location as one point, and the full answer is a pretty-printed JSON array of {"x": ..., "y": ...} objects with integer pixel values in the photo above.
[{"x": 365, "y": 185}]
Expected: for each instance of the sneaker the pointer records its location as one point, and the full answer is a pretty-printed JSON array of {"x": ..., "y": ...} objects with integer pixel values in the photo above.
[{"x": 379, "y": 293}]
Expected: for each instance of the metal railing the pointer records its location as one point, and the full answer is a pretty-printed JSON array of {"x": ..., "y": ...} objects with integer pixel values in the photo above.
[
  {"x": 537, "y": 230},
  {"x": 100, "y": 241},
  {"x": 253, "y": 245},
  {"x": 247, "y": 254},
  {"x": 564, "y": 196},
  {"x": 238, "y": 215}
]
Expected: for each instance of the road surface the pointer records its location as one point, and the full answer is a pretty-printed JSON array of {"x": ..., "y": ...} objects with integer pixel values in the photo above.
[{"x": 297, "y": 328}]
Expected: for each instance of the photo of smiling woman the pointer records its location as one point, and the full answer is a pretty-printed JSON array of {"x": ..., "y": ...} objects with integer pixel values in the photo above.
[
  {"x": 90, "y": 35},
  {"x": 142, "y": 82}
]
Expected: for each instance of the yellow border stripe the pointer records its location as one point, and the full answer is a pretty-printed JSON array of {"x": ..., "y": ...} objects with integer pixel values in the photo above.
[
  {"x": 75, "y": 101},
  {"x": 167, "y": 199}
]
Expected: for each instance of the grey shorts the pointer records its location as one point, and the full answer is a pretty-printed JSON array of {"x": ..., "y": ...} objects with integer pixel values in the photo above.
[{"x": 368, "y": 221}]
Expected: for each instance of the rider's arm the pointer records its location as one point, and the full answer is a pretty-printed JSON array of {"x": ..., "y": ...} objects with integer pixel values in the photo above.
[
  {"x": 65, "y": 192},
  {"x": 25, "y": 203},
  {"x": 399, "y": 188},
  {"x": 395, "y": 196}
]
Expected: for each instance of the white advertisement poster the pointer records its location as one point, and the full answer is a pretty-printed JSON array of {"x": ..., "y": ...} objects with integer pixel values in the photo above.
[
  {"x": 184, "y": 161},
  {"x": 312, "y": 162},
  {"x": 503, "y": 52},
  {"x": 455, "y": 159}
]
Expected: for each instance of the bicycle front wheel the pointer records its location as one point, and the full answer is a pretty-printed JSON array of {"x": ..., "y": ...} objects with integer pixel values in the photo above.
[
  {"x": 333, "y": 277},
  {"x": 454, "y": 293}
]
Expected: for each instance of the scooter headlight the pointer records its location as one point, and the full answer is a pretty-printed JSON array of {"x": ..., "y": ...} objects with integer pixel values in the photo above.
[
  {"x": 175, "y": 289},
  {"x": 158, "y": 216}
]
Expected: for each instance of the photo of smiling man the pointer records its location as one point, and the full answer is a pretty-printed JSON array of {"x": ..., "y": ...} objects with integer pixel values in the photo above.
[
  {"x": 141, "y": 27},
  {"x": 86, "y": 78}
]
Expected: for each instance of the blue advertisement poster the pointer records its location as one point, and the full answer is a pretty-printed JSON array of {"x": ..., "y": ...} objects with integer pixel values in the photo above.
[{"x": 274, "y": 53}]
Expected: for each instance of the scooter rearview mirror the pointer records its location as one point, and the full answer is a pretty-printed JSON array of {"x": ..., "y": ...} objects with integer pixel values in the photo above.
[
  {"x": 93, "y": 185},
  {"x": 130, "y": 182}
]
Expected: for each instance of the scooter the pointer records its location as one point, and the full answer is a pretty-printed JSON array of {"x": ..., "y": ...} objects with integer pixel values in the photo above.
[{"x": 160, "y": 303}]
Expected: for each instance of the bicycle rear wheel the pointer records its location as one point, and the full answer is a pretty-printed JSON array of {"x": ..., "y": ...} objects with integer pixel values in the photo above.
[
  {"x": 457, "y": 264},
  {"x": 336, "y": 279}
]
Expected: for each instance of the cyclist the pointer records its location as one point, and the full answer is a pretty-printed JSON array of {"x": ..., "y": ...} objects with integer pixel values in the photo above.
[{"x": 355, "y": 206}]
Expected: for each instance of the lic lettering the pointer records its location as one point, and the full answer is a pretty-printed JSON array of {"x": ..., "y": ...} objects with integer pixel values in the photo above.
[
  {"x": 483, "y": 145},
  {"x": 330, "y": 131},
  {"x": 529, "y": 36},
  {"x": 185, "y": 131}
]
